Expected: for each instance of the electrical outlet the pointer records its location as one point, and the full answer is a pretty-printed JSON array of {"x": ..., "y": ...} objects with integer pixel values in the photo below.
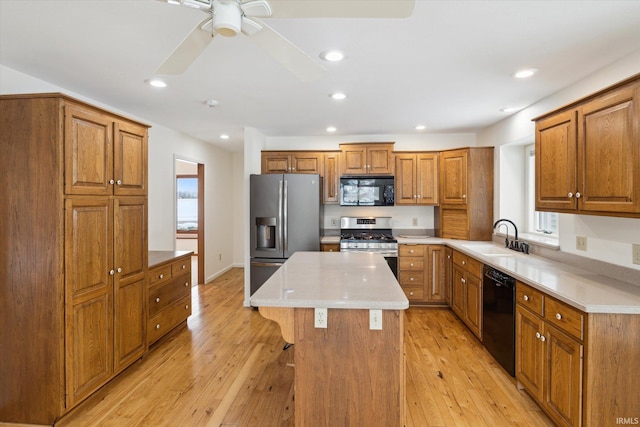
[
  {"x": 320, "y": 318},
  {"x": 635, "y": 254},
  {"x": 375, "y": 320},
  {"x": 335, "y": 222},
  {"x": 415, "y": 222},
  {"x": 581, "y": 243}
]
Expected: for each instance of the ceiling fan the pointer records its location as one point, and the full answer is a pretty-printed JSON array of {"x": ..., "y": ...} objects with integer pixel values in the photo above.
[{"x": 230, "y": 17}]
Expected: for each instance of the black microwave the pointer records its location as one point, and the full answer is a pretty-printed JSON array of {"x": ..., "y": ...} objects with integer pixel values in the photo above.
[{"x": 366, "y": 191}]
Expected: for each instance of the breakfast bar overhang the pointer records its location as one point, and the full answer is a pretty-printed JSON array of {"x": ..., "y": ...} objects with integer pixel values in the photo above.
[{"x": 347, "y": 370}]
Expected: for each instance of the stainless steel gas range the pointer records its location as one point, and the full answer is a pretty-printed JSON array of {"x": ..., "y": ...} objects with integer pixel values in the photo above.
[{"x": 370, "y": 234}]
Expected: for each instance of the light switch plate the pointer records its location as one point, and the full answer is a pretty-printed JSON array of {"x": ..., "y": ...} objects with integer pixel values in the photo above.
[
  {"x": 320, "y": 318},
  {"x": 375, "y": 320}
]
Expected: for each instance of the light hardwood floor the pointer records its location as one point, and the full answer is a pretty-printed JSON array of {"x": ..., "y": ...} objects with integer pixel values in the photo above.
[{"x": 228, "y": 368}]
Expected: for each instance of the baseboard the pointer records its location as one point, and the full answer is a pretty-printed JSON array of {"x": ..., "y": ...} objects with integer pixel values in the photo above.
[{"x": 218, "y": 274}]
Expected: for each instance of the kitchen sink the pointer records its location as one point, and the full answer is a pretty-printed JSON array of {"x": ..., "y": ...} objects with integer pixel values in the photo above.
[{"x": 489, "y": 250}]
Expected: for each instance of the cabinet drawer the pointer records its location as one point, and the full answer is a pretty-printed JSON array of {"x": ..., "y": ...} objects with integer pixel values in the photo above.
[
  {"x": 413, "y": 292},
  {"x": 410, "y": 278},
  {"x": 412, "y": 263},
  {"x": 159, "y": 275},
  {"x": 163, "y": 295},
  {"x": 168, "y": 319},
  {"x": 529, "y": 297},
  {"x": 411, "y": 250},
  {"x": 181, "y": 266},
  {"x": 470, "y": 264},
  {"x": 565, "y": 317}
]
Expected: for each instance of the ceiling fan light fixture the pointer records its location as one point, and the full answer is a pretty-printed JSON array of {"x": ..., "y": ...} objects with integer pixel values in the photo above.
[{"x": 227, "y": 18}]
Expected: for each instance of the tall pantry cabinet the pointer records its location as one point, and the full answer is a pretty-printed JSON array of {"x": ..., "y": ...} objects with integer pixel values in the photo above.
[{"x": 74, "y": 252}]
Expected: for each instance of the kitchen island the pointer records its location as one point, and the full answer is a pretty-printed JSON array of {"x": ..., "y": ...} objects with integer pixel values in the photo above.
[{"x": 349, "y": 359}]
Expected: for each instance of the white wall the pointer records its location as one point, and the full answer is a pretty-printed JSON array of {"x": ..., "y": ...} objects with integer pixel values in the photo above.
[
  {"x": 608, "y": 239},
  {"x": 238, "y": 209},
  {"x": 164, "y": 146}
]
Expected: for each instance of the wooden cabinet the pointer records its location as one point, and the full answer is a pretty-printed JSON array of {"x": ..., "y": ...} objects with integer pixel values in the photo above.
[
  {"x": 466, "y": 194},
  {"x": 77, "y": 246},
  {"x": 588, "y": 155},
  {"x": 331, "y": 178},
  {"x": 367, "y": 159},
  {"x": 330, "y": 247},
  {"x": 448, "y": 274},
  {"x": 421, "y": 272},
  {"x": 466, "y": 288},
  {"x": 416, "y": 178},
  {"x": 578, "y": 366},
  {"x": 292, "y": 162},
  {"x": 169, "y": 292}
]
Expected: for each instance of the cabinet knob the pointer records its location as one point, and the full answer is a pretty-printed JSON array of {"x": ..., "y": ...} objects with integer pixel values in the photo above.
[
  {"x": 111, "y": 181},
  {"x": 464, "y": 196},
  {"x": 538, "y": 335},
  {"x": 463, "y": 280},
  {"x": 558, "y": 316},
  {"x": 410, "y": 251},
  {"x": 570, "y": 195},
  {"x": 411, "y": 279},
  {"x": 543, "y": 338},
  {"x": 186, "y": 284},
  {"x": 464, "y": 262},
  {"x": 578, "y": 195},
  {"x": 112, "y": 272},
  {"x": 526, "y": 297},
  {"x": 161, "y": 276},
  {"x": 411, "y": 265},
  {"x": 186, "y": 307},
  {"x": 184, "y": 266},
  {"x": 411, "y": 293},
  {"x": 157, "y": 325},
  {"x": 330, "y": 250},
  {"x": 419, "y": 196},
  {"x": 119, "y": 182},
  {"x": 119, "y": 269},
  {"x": 158, "y": 299},
  {"x": 448, "y": 256}
]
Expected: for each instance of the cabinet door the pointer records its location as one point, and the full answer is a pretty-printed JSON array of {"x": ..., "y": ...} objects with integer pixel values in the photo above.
[
  {"x": 427, "y": 178},
  {"x": 88, "y": 149},
  {"x": 556, "y": 160},
  {"x": 448, "y": 280},
  {"x": 379, "y": 159},
  {"x": 435, "y": 280},
  {"x": 473, "y": 305},
  {"x": 331, "y": 178},
  {"x": 529, "y": 351},
  {"x": 405, "y": 179},
  {"x": 609, "y": 152},
  {"x": 453, "y": 173},
  {"x": 130, "y": 260},
  {"x": 354, "y": 159},
  {"x": 276, "y": 163},
  {"x": 88, "y": 296},
  {"x": 130, "y": 160},
  {"x": 458, "y": 291},
  {"x": 306, "y": 163},
  {"x": 563, "y": 377}
]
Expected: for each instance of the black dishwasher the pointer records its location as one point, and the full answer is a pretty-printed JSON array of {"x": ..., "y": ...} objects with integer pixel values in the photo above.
[{"x": 498, "y": 316}]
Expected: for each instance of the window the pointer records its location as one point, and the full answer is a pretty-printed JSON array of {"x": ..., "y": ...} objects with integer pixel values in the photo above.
[
  {"x": 537, "y": 222},
  {"x": 187, "y": 197}
]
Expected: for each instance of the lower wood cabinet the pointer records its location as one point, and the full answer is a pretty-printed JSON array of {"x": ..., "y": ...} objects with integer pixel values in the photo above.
[
  {"x": 330, "y": 247},
  {"x": 579, "y": 367},
  {"x": 422, "y": 273},
  {"x": 466, "y": 291},
  {"x": 169, "y": 292}
]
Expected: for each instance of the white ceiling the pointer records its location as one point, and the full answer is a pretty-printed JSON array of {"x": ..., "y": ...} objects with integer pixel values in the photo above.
[{"x": 448, "y": 66}]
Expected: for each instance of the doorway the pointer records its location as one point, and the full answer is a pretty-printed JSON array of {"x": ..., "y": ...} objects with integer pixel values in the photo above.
[{"x": 189, "y": 178}]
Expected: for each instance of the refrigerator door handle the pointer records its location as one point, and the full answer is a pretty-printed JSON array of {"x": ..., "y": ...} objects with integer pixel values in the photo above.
[
  {"x": 280, "y": 216},
  {"x": 285, "y": 220},
  {"x": 266, "y": 264}
]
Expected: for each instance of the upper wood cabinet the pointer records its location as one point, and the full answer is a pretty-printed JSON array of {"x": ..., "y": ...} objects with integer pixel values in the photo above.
[
  {"x": 292, "y": 162},
  {"x": 466, "y": 194},
  {"x": 331, "y": 178},
  {"x": 103, "y": 155},
  {"x": 588, "y": 155},
  {"x": 416, "y": 178},
  {"x": 367, "y": 159},
  {"x": 77, "y": 248}
]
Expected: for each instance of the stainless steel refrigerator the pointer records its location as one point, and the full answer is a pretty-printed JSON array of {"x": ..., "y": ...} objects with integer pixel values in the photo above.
[{"x": 285, "y": 213}]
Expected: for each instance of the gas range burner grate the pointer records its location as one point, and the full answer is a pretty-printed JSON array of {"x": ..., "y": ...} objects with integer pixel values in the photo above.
[{"x": 359, "y": 235}]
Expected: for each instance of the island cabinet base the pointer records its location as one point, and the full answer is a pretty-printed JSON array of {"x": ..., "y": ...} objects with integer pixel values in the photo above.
[{"x": 348, "y": 374}]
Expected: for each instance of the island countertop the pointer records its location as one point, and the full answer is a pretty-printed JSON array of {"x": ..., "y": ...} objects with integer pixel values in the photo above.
[{"x": 348, "y": 280}]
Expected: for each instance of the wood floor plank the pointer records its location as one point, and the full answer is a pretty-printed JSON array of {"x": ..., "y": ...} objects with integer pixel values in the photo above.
[{"x": 227, "y": 367}]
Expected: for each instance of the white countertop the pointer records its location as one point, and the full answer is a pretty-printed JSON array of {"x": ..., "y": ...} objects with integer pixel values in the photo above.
[
  {"x": 330, "y": 239},
  {"x": 332, "y": 280},
  {"x": 585, "y": 290}
]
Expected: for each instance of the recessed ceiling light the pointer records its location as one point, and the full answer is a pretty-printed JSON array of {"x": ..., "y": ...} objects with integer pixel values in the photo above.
[
  {"x": 211, "y": 102},
  {"x": 421, "y": 127},
  {"x": 332, "y": 55},
  {"x": 331, "y": 129},
  {"x": 523, "y": 74},
  {"x": 338, "y": 96},
  {"x": 156, "y": 83},
  {"x": 510, "y": 109},
  {"x": 224, "y": 136}
]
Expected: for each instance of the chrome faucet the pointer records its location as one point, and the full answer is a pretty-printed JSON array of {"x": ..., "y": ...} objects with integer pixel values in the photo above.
[{"x": 512, "y": 244}]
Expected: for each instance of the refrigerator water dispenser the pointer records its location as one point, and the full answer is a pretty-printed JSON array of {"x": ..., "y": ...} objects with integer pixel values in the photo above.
[{"x": 266, "y": 233}]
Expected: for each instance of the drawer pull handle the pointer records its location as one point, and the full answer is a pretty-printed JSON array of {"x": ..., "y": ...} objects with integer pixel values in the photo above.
[
  {"x": 158, "y": 326},
  {"x": 558, "y": 316},
  {"x": 161, "y": 276},
  {"x": 158, "y": 299},
  {"x": 526, "y": 297}
]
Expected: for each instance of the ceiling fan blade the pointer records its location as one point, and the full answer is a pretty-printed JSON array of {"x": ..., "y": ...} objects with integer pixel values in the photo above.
[
  {"x": 289, "y": 55},
  {"x": 342, "y": 8},
  {"x": 188, "y": 51}
]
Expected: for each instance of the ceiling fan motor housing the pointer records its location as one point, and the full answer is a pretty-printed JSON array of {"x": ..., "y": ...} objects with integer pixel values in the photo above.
[{"x": 227, "y": 18}]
